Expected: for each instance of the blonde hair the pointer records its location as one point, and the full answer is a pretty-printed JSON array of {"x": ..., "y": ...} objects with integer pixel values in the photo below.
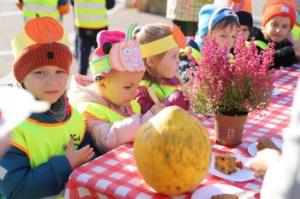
[{"x": 147, "y": 34}]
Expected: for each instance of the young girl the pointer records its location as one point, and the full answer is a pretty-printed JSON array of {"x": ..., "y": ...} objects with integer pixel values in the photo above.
[
  {"x": 43, "y": 149},
  {"x": 215, "y": 21},
  {"x": 160, "y": 48},
  {"x": 112, "y": 116},
  {"x": 278, "y": 19}
]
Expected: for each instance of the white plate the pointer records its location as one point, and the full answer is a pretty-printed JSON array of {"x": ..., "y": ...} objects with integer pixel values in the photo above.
[
  {"x": 252, "y": 150},
  {"x": 208, "y": 191},
  {"x": 241, "y": 175}
]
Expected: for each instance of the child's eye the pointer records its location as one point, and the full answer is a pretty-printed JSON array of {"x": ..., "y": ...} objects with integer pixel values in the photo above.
[
  {"x": 60, "y": 72},
  {"x": 39, "y": 72},
  {"x": 127, "y": 87}
]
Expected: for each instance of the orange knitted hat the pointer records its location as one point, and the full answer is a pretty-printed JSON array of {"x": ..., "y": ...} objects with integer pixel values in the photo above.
[
  {"x": 38, "y": 45},
  {"x": 274, "y": 8},
  {"x": 39, "y": 55}
]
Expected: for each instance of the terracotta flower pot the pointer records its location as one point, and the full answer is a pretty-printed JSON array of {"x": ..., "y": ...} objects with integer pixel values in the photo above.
[{"x": 229, "y": 129}]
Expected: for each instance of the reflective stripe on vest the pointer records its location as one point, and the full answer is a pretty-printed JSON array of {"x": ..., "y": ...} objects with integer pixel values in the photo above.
[
  {"x": 261, "y": 44},
  {"x": 161, "y": 91},
  {"x": 48, "y": 8},
  {"x": 41, "y": 141},
  {"x": 296, "y": 32},
  {"x": 105, "y": 113},
  {"x": 90, "y": 14}
]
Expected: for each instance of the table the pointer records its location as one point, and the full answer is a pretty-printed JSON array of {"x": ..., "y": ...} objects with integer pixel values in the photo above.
[{"x": 114, "y": 175}]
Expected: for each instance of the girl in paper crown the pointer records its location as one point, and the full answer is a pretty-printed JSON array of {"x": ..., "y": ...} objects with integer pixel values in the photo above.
[
  {"x": 43, "y": 149},
  {"x": 160, "y": 48},
  {"x": 112, "y": 116}
]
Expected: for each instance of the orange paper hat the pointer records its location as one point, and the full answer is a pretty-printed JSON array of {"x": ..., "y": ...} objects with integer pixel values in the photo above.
[
  {"x": 176, "y": 39},
  {"x": 41, "y": 43}
]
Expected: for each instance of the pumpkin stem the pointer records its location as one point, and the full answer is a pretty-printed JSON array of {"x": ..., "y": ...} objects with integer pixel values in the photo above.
[{"x": 37, "y": 15}]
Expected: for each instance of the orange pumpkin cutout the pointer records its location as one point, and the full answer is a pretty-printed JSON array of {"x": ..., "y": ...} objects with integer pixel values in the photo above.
[
  {"x": 44, "y": 30},
  {"x": 179, "y": 37}
]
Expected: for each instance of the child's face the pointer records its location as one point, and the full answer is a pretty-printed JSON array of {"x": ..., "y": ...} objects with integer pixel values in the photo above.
[
  {"x": 120, "y": 88},
  {"x": 168, "y": 66},
  {"x": 225, "y": 36},
  {"x": 47, "y": 83},
  {"x": 278, "y": 28},
  {"x": 245, "y": 32}
]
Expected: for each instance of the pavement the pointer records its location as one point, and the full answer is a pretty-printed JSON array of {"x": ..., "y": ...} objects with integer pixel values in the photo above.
[{"x": 119, "y": 18}]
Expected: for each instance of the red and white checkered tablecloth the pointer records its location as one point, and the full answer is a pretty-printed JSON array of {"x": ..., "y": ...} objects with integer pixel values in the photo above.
[{"x": 115, "y": 175}]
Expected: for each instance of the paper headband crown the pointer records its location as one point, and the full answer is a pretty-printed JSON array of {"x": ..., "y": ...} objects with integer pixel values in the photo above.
[
  {"x": 176, "y": 39},
  {"x": 116, "y": 52}
]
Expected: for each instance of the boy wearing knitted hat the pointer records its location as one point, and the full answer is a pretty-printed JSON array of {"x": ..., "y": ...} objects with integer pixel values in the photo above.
[
  {"x": 214, "y": 21},
  {"x": 43, "y": 149},
  {"x": 106, "y": 101},
  {"x": 278, "y": 19}
]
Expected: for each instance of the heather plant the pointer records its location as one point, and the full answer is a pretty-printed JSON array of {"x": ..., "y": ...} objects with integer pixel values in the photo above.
[{"x": 231, "y": 86}]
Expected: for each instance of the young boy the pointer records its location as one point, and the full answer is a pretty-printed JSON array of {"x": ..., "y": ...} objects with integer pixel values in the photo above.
[
  {"x": 43, "y": 149},
  {"x": 214, "y": 21},
  {"x": 277, "y": 22}
]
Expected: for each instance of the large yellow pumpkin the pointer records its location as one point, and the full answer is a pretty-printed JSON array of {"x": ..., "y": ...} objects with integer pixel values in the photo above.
[{"x": 172, "y": 151}]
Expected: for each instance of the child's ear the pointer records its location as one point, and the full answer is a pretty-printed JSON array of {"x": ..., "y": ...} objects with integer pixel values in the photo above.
[
  {"x": 102, "y": 84},
  {"x": 150, "y": 61}
]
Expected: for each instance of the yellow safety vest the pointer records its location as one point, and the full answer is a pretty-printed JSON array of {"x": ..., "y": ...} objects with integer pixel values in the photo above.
[
  {"x": 90, "y": 14},
  {"x": 41, "y": 141},
  {"x": 296, "y": 32},
  {"x": 161, "y": 91},
  {"x": 103, "y": 112},
  {"x": 44, "y": 8}
]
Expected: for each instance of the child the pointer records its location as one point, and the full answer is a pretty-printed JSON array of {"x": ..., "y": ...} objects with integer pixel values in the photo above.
[
  {"x": 90, "y": 17},
  {"x": 9, "y": 118},
  {"x": 112, "y": 116},
  {"x": 214, "y": 21},
  {"x": 278, "y": 19},
  {"x": 43, "y": 149},
  {"x": 32, "y": 9},
  {"x": 246, "y": 24},
  {"x": 160, "y": 49}
]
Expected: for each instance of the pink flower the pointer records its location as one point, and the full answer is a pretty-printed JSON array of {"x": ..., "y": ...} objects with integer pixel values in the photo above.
[{"x": 231, "y": 86}]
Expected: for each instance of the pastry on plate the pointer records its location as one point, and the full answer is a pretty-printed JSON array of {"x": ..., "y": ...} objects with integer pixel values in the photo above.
[
  {"x": 227, "y": 164},
  {"x": 266, "y": 143}
]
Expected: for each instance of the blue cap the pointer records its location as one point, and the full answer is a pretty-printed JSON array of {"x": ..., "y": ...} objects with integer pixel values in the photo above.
[{"x": 209, "y": 16}]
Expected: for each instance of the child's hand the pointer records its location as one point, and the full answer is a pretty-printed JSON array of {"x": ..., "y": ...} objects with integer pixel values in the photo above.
[
  {"x": 261, "y": 162},
  {"x": 80, "y": 156},
  {"x": 156, "y": 108}
]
